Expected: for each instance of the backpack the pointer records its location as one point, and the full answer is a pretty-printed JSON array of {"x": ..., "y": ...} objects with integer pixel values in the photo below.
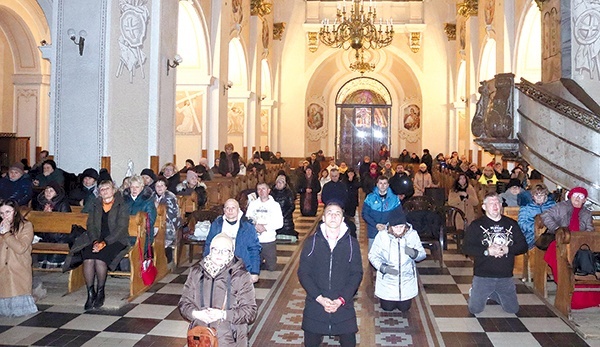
[{"x": 584, "y": 263}]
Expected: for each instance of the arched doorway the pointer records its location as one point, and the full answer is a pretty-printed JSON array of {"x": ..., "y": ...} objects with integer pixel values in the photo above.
[{"x": 363, "y": 114}]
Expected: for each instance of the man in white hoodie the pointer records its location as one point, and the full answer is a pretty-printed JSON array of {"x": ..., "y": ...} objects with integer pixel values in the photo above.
[{"x": 267, "y": 217}]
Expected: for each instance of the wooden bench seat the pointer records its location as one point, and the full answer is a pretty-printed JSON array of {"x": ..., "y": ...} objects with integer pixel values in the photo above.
[
  {"x": 61, "y": 222},
  {"x": 567, "y": 244}
]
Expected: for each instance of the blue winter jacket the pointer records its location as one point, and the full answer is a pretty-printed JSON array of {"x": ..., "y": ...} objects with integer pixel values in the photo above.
[
  {"x": 144, "y": 203},
  {"x": 527, "y": 215},
  {"x": 247, "y": 246},
  {"x": 377, "y": 210}
]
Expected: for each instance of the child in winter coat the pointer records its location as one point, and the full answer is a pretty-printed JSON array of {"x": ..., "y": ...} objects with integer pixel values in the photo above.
[{"x": 393, "y": 254}]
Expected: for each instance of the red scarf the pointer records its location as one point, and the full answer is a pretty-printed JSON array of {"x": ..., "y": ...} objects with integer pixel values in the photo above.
[{"x": 574, "y": 223}]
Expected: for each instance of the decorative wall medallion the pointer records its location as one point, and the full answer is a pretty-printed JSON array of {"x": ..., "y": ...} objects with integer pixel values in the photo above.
[
  {"x": 316, "y": 118},
  {"x": 235, "y": 118},
  {"x": 133, "y": 25},
  {"x": 467, "y": 8},
  {"x": 415, "y": 41}
]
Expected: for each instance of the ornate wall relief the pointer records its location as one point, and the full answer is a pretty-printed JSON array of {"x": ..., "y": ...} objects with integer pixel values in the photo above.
[
  {"x": 586, "y": 32},
  {"x": 133, "y": 25},
  {"x": 316, "y": 118},
  {"x": 235, "y": 118},
  {"x": 264, "y": 121}
]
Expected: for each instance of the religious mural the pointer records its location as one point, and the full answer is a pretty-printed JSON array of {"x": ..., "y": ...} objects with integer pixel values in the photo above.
[
  {"x": 489, "y": 11},
  {"x": 412, "y": 117},
  {"x": 188, "y": 111},
  {"x": 235, "y": 118},
  {"x": 314, "y": 116}
]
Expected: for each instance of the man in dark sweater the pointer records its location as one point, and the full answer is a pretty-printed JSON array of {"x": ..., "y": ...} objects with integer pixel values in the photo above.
[
  {"x": 335, "y": 190},
  {"x": 493, "y": 241}
]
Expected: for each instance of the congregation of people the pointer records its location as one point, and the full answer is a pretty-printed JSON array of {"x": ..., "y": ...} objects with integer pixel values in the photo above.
[{"x": 242, "y": 241}]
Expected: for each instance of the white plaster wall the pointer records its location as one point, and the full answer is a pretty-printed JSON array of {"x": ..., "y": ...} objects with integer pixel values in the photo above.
[{"x": 6, "y": 88}]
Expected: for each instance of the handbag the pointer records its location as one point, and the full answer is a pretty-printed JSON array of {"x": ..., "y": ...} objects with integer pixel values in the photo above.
[
  {"x": 544, "y": 240},
  {"x": 200, "y": 336},
  {"x": 147, "y": 268},
  {"x": 584, "y": 263}
]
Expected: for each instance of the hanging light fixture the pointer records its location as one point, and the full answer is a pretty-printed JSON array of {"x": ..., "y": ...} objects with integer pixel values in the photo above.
[
  {"x": 358, "y": 30},
  {"x": 359, "y": 65}
]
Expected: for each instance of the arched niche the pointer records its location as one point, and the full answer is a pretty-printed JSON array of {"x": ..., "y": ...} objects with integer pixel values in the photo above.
[
  {"x": 24, "y": 75},
  {"x": 237, "y": 102},
  {"x": 193, "y": 82},
  {"x": 363, "y": 119},
  {"x": 528, "y": 53},
  {"x": 487, "y": 68},
  {"x": 266, "y": 99}
]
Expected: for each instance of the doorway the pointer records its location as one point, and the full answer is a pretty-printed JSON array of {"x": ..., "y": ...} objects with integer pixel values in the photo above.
[{"x": 363, "y": 113}]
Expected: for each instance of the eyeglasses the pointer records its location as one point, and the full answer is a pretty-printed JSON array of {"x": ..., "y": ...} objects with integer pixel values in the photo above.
[
  {"x": 578, "y": 196},
  {"x": 219, "y": 251}
]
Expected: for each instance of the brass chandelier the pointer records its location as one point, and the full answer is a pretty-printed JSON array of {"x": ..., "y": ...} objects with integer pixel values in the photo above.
[{"x": 358, "y": 30}]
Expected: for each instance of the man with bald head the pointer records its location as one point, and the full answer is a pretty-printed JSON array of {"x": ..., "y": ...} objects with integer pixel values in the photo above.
[{"x": 243, "y": 234}]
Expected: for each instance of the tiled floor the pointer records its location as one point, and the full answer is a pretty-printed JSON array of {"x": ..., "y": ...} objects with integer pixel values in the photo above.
[{"x": 438, "y": 317}]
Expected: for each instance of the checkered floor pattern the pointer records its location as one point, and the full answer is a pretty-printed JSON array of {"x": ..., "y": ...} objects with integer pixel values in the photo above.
[{"x": 439, "y": 315}]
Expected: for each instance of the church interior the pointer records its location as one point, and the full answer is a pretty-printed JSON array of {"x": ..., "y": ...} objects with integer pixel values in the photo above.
[{"x": 134, "y": 84}]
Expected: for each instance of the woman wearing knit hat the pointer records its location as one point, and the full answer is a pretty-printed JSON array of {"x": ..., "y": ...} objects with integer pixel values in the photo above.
[
  {"x": 394, "y": 253},
  {"x": 573, "y": 215},
  {"x": 193, "y": 183}
]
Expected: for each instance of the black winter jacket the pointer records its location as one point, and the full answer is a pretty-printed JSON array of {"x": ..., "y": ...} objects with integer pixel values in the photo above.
[
  {"x": 286, "y": 199},
  {"x": 332, "y": 274}
]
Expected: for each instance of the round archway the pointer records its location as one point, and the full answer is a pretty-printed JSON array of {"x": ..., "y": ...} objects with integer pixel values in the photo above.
[{"x": 363, "y": 112}]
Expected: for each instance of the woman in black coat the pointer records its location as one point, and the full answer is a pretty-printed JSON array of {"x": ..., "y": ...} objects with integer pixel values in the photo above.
[
  {"x": 308, "y": 187},
  {"x": 52, "y": 199},
  {"x": 285, "y": 197},
  {"x": 353, "y": 184}
]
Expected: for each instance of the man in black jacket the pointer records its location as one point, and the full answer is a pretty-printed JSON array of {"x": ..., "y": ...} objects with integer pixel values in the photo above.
[
  {"x": 335, "y": 190},
  {"x": 401, "y": 184},
  {"x": 330, "y": 271},
  {"x": 493, "y": 241}
]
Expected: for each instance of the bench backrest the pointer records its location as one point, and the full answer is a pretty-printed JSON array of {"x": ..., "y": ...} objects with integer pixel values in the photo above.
[
  {"x": 55, "y": 222},
  {"x": 512, "y": 212},
  {"x": 569, "y": 242}
]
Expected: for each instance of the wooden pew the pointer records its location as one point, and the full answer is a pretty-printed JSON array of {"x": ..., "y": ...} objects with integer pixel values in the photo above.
[
  {"x": 158, "y": 244},
  {"x": 522, "y": 261},
  {"x": 540, "y": 268},
  {"x": 61, "y": 222},
  {"x": 567, "y": 245},
  {"x": 57, "y": 222}
]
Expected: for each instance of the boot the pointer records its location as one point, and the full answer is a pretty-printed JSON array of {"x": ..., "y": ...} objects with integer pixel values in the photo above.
[
  {"x": 99, "y": 302},
  {"x": 89, "y": 304}
]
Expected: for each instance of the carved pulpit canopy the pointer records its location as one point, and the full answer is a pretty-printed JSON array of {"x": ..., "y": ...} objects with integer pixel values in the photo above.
[{"x": 493, "y": 122}]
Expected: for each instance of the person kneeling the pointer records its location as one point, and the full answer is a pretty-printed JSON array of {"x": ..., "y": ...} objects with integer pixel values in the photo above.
[{"x": 394, "y": 253}]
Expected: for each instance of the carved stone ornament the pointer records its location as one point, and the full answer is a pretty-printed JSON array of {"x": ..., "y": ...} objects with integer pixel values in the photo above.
[
  {"x": 313, "y": 41},
  {"x": 260, "y": 8},
  {"x": 316, "y": 118},
  {"x": 278, "y": 29},
  {"x": 579, "y": 114},
  {"x": 415, "y": 41},
  {"x": 494, "y": 113},
  {"x": 133, "y": 25},
  {"x": 450, "y": 30},
  {"x": 409, "y": 136},
  {"x": 467, "y": 8}
]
